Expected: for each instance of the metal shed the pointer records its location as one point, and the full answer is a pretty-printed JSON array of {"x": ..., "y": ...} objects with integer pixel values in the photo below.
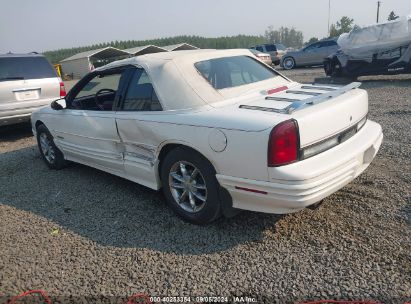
[
  {"x": 82, "y": 63},
  {"x": 180, "y": 47},
  {"x": 146, "y": 49}
]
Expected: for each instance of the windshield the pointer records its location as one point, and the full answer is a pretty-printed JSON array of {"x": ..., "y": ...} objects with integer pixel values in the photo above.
[
  {"x": 14, "y": 68},
  {"x": 228, "y": 72}
]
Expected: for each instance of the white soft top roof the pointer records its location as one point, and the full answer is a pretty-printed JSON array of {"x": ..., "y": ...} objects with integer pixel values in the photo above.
[{"x": 179, "y": 85}]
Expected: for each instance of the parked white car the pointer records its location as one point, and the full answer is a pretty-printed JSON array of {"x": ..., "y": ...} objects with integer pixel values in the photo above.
[{"x": 214, "y": 129}]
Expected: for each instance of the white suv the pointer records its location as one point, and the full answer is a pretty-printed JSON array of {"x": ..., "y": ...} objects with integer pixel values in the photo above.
[
  {"x": 276, "y": 51},
  {"x": 27, "y": 82}
]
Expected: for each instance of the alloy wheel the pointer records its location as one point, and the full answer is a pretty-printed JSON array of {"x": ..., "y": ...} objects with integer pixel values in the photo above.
[
  {"x": 187, "y": 186},
  {"x": 288, "y": 63},
  {"x": 47, "y": 148}
]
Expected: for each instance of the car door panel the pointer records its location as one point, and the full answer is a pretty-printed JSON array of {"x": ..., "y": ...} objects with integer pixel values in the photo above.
[
  {"x": 322, "y": 53},
  {"x": 89, "y": 137},
  {"x": 315, "y": 54},
  {"x": 139, "y": 137},
  {"x": 140, "y": 143},
  {"x": 318, "y": 55},
  {"x": 86, "y": 132},
  {"x": 307, "y": 56},
  {"x": 326, "y": 49},
  {"x": 301, "y": 58}
]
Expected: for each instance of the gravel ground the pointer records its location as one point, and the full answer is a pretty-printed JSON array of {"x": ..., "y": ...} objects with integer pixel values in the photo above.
[{"x": 82, "y": 234}]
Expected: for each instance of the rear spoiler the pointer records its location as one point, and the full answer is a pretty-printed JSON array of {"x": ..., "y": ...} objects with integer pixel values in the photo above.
[{"x": 331, "y": 91}]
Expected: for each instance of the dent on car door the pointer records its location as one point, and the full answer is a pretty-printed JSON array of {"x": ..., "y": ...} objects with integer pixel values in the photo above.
[
  {"x": 138, "y": 133},
  {"x": 86, "y": 131}
]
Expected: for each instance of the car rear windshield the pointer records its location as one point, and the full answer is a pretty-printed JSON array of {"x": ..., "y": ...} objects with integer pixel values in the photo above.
[
  {"x": 281, "y": 47},
  {"x": 229, "y": 72},
  {"x": 14, "y": 68}
]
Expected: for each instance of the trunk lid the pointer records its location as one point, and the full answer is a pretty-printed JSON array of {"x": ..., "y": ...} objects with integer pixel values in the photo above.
[{"x": 321, "y": 111}]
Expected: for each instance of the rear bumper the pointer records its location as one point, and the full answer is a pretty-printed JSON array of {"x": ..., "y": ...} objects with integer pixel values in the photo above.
[
  {"x": 276, "y": 59},
  {"x": 15, "y": 119},
  {"x": 13, "y": 114},
  {"x": 296, "y": 186},
  {"x": 268, "y": 61}
]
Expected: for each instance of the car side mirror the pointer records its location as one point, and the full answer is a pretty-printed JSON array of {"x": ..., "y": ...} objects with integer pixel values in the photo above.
[{"x": 59, "y": 104}]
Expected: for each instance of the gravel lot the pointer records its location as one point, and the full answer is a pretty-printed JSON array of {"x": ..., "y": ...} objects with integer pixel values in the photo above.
[{"x": 116, "y": 238}]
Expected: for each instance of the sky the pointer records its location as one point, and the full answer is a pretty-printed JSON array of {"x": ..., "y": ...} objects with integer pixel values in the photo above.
[{"x": 40, "y": 25}]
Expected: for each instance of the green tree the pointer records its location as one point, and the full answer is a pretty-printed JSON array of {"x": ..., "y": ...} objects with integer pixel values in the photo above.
[
  {"x": 290, "y": 37},
  {"x": 392, "y": 16},
  {"x": 345, "y": 25}
]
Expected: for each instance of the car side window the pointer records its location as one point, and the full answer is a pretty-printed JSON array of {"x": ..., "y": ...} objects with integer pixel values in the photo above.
[
  {"x": 312, "y": 47},
  {"x": 260, "y": 49},
  {"x": 99, "y": 82},
  {"x": 140, "y": 95},
  {"x": 99, "y": 93},
  {"x": 330, "y": 43},
  {"x": 270, "y": 48},
  {"x": 326, "y": 44}
]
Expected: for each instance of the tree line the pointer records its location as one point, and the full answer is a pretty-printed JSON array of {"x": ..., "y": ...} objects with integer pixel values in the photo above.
[{"x": 290, "y": 37}]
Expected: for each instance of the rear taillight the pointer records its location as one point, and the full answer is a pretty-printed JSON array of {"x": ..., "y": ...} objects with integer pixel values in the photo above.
[
  {"x": 62, "y": 90},
  {"x": 283, "y": 144}
]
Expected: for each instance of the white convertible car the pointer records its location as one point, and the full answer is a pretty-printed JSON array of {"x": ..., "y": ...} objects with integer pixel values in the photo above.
[{"x": 217, "y": 130}]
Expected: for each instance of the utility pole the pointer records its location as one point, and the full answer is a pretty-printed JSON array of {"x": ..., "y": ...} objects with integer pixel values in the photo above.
[
  {"x": 329, "y": 13},
  {"x": 378, "y": 10}
]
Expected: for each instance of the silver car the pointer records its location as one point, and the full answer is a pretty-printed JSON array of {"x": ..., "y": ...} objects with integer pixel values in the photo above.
[
  {"x": 27, "y": 82},
  {"x": 313, "y": 54}
]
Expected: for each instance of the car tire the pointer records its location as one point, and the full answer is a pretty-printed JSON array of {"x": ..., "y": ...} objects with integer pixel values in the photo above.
[
  {"x": 337, "y": 71},
  {"x": 328, "y": 69},
  {"x": 190, "y": 186},
  {"x": 288, "y": 63},
  {"x": 333, "y": 68},
  {"x": 52, "y": 155}
]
